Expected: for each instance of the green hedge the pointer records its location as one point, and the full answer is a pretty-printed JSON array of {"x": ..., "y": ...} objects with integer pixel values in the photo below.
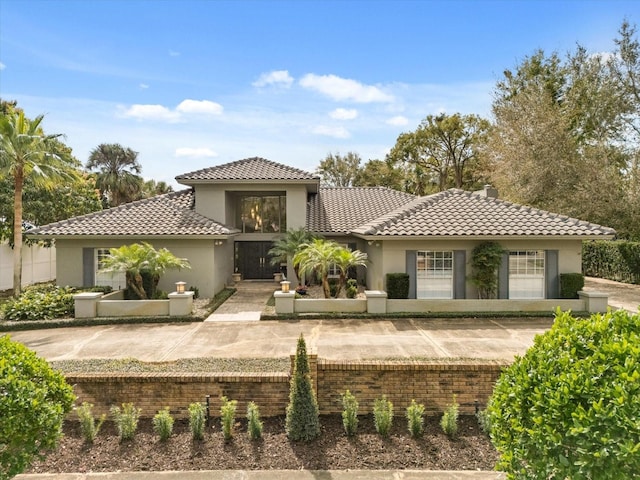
[
  {"x": 398, "y": 285},
  {"x": 615, "y": 260},
  {"x": 571, "y": 284}
]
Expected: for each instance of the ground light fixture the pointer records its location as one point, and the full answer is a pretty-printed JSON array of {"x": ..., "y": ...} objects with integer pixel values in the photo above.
[
  {"x": 180, "y": 287},
  {"x": 285, "y": 286}
]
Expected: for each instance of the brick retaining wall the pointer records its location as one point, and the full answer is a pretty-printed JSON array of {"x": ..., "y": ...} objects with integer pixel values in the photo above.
[{"x": 432, "y": 384}]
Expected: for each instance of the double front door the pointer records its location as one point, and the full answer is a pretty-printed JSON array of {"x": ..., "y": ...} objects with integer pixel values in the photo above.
[{"x": 253, "y": 260}]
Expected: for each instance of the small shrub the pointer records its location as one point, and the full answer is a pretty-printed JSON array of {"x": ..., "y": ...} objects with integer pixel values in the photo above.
[
  {"x": 255, "y": 425},
  {"x": 398, "y": 285},
  {"x": 415, "y": 419},
  {"x": 484, "y": 421},
  {"x": 383, "y": 415},
  {"x": 195, "y": 290},
  {"x": 571, "y": 284},
  {"x": 126, "y": 420},
  {"x": 197, "y": 418},
  {"x": 88, "y": 425},
  {"x": 303, "y": 417},
  {"x": 352, "y": 288},
  {"x": 349, "y": 413},
  {"x": 228, "y": 415},
  {"x": 163, "y": 424},
  {"x": 449, "y": 420}
]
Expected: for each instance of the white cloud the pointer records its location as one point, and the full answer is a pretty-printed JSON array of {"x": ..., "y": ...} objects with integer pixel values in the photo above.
[
  {"x": 152, "y": 112},
  {"x": 2, "y": 66},
  {"x": 200, "y": 106},
  {"x": 276, "y": 77},
  {"x": 195, "y": 152},
  {"x": 143, "y": 86},
  {"x": 344, "y": 89},
  {"x": 173, "y": 53},
  {"x": 344, "y": 114},
  {"x": 398, "y": 121},
  {"x": 337, "y": 132}
]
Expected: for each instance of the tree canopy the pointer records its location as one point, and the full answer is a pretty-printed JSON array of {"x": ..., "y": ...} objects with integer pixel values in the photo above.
[
  {"x": 118, "y": 173},
  {"x": 566, "y": 136}
]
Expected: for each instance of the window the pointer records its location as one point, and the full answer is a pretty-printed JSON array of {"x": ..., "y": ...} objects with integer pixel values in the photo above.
[
  {"x": 526, "y": 274},
  {"x": 262, "y": 214},
  {"x": 434, "y": 275},
  {"x": 115, "y": 280}
]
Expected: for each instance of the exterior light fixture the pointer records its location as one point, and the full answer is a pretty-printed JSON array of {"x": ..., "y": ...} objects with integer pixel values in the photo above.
[
  {"x": 285, "y": 286},
  {"x": 180, "y": 287}
]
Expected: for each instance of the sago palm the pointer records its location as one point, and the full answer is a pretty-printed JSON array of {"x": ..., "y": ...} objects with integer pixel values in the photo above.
[
  {"x": 346, "y": 259},
  {"x": 289, "y": 245},
  {"x": 317, "y": 256}
]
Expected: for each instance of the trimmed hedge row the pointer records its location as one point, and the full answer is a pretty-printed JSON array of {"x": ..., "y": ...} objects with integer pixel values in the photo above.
[{"x": 617, "y": 260}]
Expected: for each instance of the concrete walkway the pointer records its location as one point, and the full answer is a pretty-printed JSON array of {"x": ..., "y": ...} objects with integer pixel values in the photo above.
[
  {"x": 276, "y": 475},
  {"x": 246, "y": 304}
]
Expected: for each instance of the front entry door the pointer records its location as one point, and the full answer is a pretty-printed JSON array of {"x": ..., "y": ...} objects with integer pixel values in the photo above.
[{"x": 253, "y": 260}]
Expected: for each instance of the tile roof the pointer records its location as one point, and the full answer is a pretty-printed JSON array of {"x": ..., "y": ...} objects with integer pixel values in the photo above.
[
  {"x": 456, "y": 213},
  {"x": 163, "y": 215},
  {"x": 341, "y": 209},
  {"x": 255, "y": 168}
]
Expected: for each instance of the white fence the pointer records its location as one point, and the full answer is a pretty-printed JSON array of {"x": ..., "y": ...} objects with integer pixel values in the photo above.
[{"x": 38, "y": 265}]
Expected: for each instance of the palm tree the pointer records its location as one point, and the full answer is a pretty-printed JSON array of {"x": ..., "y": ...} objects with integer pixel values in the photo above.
[
  {"x": 317, "y": 256},
  {"x": 26, "y": 152},
  {"x": 151, "y": 188},
  {"x": 346, "y": 259},
  {"x": 142, "y": 259},
  {"x": 287, "y": 247},
  {"x": 118, "y": 172}
]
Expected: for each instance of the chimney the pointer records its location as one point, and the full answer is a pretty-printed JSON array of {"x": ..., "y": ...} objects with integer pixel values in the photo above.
[{"x": 488, "y": 191}]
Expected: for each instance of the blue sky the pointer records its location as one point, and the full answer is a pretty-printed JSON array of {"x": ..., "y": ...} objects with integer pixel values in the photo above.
[{"x": 191, "y": 84}]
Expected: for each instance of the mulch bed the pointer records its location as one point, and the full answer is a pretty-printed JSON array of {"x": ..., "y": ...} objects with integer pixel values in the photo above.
[{"x": 333, "y": 450}]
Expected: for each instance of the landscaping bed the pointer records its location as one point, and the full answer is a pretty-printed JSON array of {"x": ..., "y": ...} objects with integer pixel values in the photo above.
[{"x": 471, "y": 450}]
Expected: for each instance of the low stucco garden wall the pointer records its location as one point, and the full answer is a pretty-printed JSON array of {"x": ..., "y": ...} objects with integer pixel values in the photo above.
[
  {"x": 95, "y": 304},
  {"x": 378, "y": 303}
]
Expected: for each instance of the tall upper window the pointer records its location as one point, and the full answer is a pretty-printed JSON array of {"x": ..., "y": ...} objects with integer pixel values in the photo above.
[
  {"x": 262, "y": 213},
  {"x": 526, "y": 274},
  {"x": 434, "y": 275}
]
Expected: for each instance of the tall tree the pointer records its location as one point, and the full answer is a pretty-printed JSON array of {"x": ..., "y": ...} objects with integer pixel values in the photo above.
[
  {"x": 118, "y": 173},
  {"x": 445, "y": 149},
  {"x": 338, "y": 170},
  {"x": 564, "y": 139},
  {"x": 26, "y": 152},
  {"x": 380, "y": 173}
]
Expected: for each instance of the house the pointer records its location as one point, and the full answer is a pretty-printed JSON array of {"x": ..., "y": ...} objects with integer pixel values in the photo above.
[{"x": 228, "y": 216}]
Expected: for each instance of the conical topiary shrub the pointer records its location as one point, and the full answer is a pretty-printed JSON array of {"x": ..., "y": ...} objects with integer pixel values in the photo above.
[{"x": 303, "y": 422}]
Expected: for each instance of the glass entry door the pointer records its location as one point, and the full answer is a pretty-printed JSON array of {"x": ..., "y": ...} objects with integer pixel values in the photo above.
[{"x": 253, "y": 260}]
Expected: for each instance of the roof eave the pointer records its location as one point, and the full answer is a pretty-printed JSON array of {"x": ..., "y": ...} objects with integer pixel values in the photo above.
[
  {"x": 44, "y": 236},
  {"x": 482, "y": 237}
]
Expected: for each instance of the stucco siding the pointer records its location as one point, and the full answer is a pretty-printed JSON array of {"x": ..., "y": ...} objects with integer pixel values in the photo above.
[
  {"x": 390, "y": 256},
  {"x": 205, "y": 274}
]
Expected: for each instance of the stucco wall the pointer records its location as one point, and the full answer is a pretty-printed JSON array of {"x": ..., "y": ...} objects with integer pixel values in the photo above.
[
  {"x": 390, "y": 256},
  {"x": 205, "y": 274}
]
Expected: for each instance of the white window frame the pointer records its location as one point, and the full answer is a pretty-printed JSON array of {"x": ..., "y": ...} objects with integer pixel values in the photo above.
[
  {"x": 434, "y": 274},
  {"x": 115, "y": 280},
  {"x": 333, "y": 270},
  {"x": 526, "y": 274}
]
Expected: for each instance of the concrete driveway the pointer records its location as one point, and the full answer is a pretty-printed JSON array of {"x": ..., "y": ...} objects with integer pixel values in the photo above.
[{"x": 498, "y": 339}]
